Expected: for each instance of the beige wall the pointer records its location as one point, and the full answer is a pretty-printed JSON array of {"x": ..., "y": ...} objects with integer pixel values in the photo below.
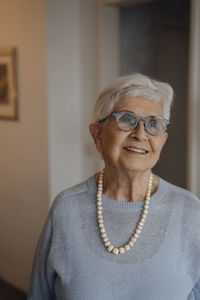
[{"x": 23, "y": 152}]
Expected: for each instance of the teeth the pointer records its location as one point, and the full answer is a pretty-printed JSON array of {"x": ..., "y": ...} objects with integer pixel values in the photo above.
[{"x": 136, "y": 150}]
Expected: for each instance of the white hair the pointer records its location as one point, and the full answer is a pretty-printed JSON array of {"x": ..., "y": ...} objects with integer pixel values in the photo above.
[{"x": 133, "y": 86}]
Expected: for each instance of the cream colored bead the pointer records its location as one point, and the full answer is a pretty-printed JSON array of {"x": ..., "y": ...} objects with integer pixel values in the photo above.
[
  {"x": 110, "y": 247},
  {"x": 107, "y": 243},
  {"x": 101, "y": 225},
  {"x": 103, "y": 235},
  {"x": 105, "y": 239},
  {"x": 141, "y": 223},
  {"x": 99, "y": 211},
  {"x": 136, "y": 235},
  {"x": 115, "y": 251},
  {"x": 127, "y": 247},
  {"x": 144, "y": 214},
  {"x": 139, "y": 227},
  {"x": 100, "y": 217},
  {"x": 138, "y": 231},
  {"x": 121, "y": 250},
  {"x": 146, "y": 206},
  {"x": 102, "y": 230},
  {"x": 100, "y": 221},
  {"x": 130, "y": 243},
  {"x": 99, "y": 203},
  {"x": 133, "y": 239},
  {"x": 145, "y": 211}
]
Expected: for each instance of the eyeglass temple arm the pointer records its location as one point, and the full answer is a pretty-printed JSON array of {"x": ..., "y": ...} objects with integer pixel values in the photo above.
[{"x": 101, "y": 121}]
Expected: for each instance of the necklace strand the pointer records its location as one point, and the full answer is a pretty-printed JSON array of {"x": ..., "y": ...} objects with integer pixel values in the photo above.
[{"x": 139, "y": 226}]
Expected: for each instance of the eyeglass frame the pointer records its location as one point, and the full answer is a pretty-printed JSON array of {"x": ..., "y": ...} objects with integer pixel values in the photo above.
[{"x": 138, "y": 118}]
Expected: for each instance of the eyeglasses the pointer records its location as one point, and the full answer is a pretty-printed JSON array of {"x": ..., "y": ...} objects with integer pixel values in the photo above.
[{"x": 128, "y": 121}]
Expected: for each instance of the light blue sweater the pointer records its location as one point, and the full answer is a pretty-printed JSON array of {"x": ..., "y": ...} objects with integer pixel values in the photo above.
[{"x": 71, "y": 262}]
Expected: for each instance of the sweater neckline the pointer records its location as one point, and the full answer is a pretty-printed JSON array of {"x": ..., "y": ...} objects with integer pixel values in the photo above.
[{"x": 124, "y": 207}]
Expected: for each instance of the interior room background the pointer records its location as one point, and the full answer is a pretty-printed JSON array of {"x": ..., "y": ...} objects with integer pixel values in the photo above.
[{"x": 67, "y": 50}]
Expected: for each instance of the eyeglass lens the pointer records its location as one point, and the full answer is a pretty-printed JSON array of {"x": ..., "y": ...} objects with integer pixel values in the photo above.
[{"x": 153, "y": 125}]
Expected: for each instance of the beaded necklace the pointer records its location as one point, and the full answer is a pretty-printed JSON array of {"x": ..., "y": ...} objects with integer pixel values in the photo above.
[{"x": 139, "y": 226}]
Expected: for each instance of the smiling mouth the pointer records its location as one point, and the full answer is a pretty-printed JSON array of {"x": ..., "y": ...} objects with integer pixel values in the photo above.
[{"x": 135, "y": 150}]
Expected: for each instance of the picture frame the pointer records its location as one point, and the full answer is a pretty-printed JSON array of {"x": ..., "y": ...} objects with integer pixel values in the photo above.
[{"x": 8, "y": 84}]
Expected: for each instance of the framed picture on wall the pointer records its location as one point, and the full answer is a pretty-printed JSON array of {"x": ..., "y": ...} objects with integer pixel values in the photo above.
[{"x": 8, "y": 84}]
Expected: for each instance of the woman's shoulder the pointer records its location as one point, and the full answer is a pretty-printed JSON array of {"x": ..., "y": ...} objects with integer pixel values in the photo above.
[
  {"x": 184, "y": 198},
  {"x": 178, "y": 191},
  {"x": 70, "y": 195}
]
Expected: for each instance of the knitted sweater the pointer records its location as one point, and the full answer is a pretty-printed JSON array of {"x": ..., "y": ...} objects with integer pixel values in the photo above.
[{"x": 71, "y": 262}]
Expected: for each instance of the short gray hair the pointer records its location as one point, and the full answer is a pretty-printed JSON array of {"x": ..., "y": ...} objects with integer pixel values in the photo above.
[{"x": 133, "y": 86}]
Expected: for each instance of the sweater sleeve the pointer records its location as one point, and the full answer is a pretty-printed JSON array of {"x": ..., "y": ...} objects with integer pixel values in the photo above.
[{"x": 43, "y": 276}]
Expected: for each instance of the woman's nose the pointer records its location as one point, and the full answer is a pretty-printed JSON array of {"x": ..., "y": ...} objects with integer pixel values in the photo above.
[{"x": 139, "y": 132}]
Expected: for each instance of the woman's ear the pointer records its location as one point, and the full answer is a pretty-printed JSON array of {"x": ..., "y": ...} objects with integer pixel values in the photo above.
[
  {"x": 95, "y": 131},
  {"x": 165, "y": 138}
]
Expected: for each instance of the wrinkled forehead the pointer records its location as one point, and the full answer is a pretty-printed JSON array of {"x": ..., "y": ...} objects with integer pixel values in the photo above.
[{"x": 140, "y": 106}]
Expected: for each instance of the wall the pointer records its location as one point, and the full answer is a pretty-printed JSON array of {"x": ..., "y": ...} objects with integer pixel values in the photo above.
[
  {"x": 108, "y": 44},
  {"x": 72, "y": 85},
  {"x": 23, "y": 153}
]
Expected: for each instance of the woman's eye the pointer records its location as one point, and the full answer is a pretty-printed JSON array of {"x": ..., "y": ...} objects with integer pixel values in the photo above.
[
  {"x": 126, "y": 119},
  {"x": 154, "y": 124}
]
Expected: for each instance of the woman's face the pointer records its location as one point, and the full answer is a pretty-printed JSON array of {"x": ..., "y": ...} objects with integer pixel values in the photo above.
[{"x": 112, "y": 142}]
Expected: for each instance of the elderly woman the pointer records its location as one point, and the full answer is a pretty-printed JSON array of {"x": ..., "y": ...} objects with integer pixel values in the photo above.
[{"x": 125, "y": 233}]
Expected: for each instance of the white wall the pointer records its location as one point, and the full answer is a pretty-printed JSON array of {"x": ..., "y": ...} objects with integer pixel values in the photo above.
[
  {"x": 72, "y": 81},
  {"x": 23, "y": 152},
  {"x": 108, "y": 45}
]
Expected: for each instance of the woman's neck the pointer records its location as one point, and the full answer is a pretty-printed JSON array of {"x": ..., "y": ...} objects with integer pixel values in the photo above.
[{"x": 127, "y": 186}]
